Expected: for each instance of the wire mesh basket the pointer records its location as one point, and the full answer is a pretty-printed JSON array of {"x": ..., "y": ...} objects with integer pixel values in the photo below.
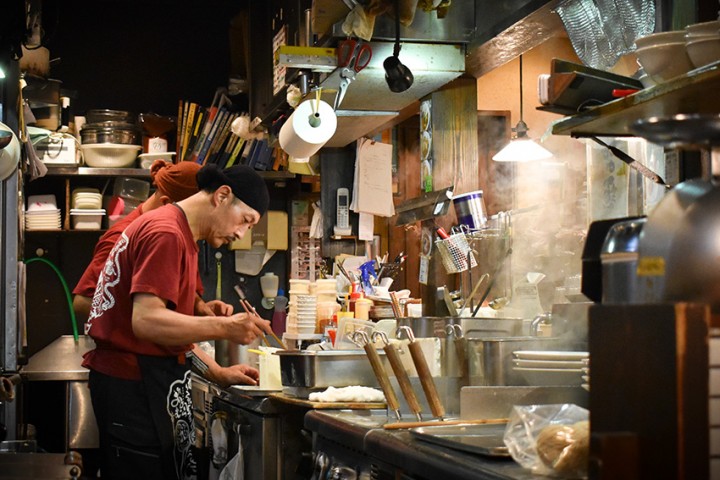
[{"x": 455, "y": 253}]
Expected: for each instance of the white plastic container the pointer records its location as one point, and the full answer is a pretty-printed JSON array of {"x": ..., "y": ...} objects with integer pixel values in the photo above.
[{"x": 86, "y": 219}]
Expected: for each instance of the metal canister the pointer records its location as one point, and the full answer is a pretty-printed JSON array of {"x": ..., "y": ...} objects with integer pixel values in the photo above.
[
  {"x": 470, "y": 209},
  {"x": 619, "y": 259}
]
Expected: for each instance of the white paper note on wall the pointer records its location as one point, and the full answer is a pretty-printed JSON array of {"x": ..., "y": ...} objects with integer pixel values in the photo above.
[
  {"x": 372, "y": 191},
  {"x": 366, "y": 226}
]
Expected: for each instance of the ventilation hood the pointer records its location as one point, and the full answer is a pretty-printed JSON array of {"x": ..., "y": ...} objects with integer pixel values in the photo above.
[{"x": 369, "y": 103}]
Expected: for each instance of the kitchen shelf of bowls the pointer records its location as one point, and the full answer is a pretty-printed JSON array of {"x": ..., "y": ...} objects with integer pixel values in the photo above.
[{"x": 682, "y": 70}]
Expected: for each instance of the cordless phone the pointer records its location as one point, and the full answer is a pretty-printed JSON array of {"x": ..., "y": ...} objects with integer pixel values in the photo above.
[{"x": 342, "y": 219}]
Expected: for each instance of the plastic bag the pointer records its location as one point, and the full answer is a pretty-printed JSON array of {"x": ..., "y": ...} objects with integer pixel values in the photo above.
[{"x": 550, "y": 439}]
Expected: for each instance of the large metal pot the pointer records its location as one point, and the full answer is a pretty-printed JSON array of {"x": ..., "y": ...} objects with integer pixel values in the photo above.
[{"x": 110, "y": 132}]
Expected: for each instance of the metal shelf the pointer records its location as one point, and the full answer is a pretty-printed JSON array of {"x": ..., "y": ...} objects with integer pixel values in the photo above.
[
  {"x": 137, "y": 172},
  {"x": 694, "y": 92},
  {"x": 99, "y": 172}
]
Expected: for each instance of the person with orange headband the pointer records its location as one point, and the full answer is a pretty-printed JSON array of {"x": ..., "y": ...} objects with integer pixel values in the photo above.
[{"x": 173, "y": 182}]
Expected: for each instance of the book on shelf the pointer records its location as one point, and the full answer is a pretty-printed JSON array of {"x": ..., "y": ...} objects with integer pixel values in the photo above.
[
  {"x": 235, "y": 154},
  {"x": 262, "y": 157},
  {"x": 219, "y": 100},
  {"x": 187, "y": 128}
]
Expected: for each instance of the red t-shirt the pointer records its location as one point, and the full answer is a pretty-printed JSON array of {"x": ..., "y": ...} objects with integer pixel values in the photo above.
[
  {"x": 156, "y": 254},
  {"x": 88, "y": 281}
]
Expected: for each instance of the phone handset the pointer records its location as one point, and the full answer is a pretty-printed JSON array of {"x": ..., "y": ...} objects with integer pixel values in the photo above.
[{"x": 342, "y": 220}]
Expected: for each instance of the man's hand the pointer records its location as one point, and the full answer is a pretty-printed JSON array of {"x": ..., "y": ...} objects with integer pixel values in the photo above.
[
  {"x": 244, "y": 328},
  {"x": 237, "y": 375},
  {"x": 213, "y": 308}
]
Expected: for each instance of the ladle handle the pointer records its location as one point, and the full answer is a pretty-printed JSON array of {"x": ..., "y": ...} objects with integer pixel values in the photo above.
[
  {"x": 403, "y": 379},
  {"x": 461, "y": 356},
  {"x": 381, "y": 374},
  {"x": 426, "y": 380}
]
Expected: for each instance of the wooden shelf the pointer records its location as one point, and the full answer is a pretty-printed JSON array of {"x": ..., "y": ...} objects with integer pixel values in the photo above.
[{"x": 694, "y": 92}]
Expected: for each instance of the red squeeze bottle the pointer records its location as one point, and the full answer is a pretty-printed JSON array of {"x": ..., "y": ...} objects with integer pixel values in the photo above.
[{"x": 442, "y": 233}]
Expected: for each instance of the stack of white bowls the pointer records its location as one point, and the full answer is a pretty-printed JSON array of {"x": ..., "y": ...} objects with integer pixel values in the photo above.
[
  {"x": 663, "y": 55},
  {"x": 702, "y": 41},
  {"x": 298, "y": 287},
  {"x": 304, "y": 309},
  {"x": 326, "y": 290},
  {"x": 42, "y": 213},
  {"x": 86, "y": 212}
]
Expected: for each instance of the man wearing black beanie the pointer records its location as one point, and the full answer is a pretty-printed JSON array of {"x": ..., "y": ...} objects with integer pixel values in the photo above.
[{"x": 144, "y": 324}]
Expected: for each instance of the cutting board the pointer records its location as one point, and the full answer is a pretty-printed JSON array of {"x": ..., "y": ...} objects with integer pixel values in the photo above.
[{"x": 302, "y": 402}]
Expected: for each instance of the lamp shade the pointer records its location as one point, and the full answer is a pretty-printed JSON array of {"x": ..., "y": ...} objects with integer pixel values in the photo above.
[{"x": 521, "y": 149}]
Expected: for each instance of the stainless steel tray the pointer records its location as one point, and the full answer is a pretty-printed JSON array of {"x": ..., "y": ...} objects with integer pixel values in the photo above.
[{"x": 481, "y": 439}]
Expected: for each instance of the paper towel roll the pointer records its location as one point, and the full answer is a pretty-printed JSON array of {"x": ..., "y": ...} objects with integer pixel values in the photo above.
[{"x": 299, "y": 138}]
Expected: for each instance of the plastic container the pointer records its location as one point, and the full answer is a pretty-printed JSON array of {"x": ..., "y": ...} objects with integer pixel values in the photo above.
[
  {"x": 131, "y": 188},
  {"x": 86, "y": 219},
  {"x": 362, "y": 308},
  {"x": 346, "y": 327},
  {"x": 279, "y": 317}
]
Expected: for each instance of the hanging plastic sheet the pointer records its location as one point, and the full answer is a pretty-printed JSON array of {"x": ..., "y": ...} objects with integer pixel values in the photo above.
[{"x": 602, "y": 31}]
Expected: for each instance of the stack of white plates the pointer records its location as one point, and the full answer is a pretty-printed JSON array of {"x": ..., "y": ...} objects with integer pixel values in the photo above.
[
  {"x": 586, "y": 374},
  {"x": 86, "y": 199},
  {"x": 541, "y": 367},
  {"x": 42, "y": 213}
]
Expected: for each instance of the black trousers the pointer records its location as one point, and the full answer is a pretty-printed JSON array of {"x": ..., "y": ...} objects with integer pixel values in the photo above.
[{"x": 145, "y": 427}]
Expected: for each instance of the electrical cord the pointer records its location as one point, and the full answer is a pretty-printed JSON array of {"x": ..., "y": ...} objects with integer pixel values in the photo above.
[{"x": 65, "y": 288}]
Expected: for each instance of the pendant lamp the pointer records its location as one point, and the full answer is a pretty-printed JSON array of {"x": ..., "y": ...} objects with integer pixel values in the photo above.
[{"x": 521, "y": 147}]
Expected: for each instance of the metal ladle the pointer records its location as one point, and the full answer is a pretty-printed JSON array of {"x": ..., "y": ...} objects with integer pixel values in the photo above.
[{"x": 361, "y": 339}]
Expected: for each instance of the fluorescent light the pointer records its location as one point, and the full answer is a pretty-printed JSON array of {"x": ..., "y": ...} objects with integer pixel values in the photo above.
[{"x": 2, "y": 73}]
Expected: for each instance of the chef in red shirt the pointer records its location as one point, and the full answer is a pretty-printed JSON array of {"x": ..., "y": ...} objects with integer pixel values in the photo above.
[
  {"x": 144, "y": 325},
  {"x": 173, "y": 182}
]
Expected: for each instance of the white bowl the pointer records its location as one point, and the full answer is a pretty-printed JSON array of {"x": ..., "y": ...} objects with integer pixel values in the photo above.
[
  {"x": 703, "y": 28},
  {"x": 703, "y": 51},
  {"x": 672, "y": 36},
  {"x": 147, "y": 159},
  {"x": 110, "y": 155},
  {"x": 664, "y": 61}
]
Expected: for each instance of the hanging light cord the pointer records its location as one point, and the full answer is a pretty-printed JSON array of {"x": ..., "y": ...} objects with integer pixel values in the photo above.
[
  {"x": 521, "y": 89},
  {"x": 396, "y": 48}
]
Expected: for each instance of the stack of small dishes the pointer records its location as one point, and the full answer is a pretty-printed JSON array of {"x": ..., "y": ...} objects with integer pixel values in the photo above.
[
  {"x": 303, "y": 310},
  {"x": 540, "y": 367},
  {"x": 42, "y": 213},
  {"x": 298, "y": 287},
  {"x": 586, "y": 374},
  {"x": 86, "y": 212}
]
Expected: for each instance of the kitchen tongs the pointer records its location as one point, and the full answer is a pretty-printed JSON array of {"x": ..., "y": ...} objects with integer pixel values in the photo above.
[{"x": 632, "y": 163}]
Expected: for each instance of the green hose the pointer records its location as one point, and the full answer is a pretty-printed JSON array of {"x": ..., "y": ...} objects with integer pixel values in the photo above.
[{"x": 65, "y": 287}]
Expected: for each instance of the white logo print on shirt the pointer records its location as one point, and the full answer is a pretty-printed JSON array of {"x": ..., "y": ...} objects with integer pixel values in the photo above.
[{"x": 103, "y": 299}]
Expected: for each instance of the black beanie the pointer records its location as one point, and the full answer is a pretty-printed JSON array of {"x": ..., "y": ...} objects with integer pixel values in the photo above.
[{"x": 246, "y": 184}]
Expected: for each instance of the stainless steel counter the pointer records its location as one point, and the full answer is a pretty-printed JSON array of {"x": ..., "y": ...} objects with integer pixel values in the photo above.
[
  {"x": 358, "y": 439},
  {"x": 61, "y": 360}
]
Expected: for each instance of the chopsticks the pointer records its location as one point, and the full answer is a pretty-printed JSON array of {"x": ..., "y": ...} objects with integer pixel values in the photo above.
[
  {"x": 401, "y": 425},
  {"x": 248, "y": 307}
]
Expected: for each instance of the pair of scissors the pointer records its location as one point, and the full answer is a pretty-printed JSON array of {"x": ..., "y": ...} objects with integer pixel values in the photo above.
[{"x": 352, "y": 57}]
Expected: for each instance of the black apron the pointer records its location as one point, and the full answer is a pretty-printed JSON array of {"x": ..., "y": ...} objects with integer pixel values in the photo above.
[{"x": 167, "y": 384}]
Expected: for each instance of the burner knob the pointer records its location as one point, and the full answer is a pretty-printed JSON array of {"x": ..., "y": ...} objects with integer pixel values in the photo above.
[{"x": 342, "y": 473}]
